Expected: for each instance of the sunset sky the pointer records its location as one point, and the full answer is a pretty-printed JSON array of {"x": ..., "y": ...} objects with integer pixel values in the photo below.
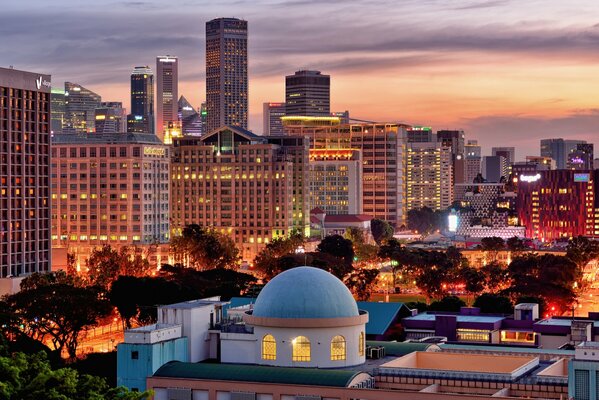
[{"x": 508, "y": 72}]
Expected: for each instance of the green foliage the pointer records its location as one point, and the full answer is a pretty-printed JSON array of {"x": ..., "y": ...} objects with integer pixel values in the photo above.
[
  {"x": 494, "y": 304},
  {"x": 582, "y": 250},
  {"x": 425, "y": 220},
  {"x": 515, "y": 244},
  {"x": 106, "y": 264},
  {"x": 492, "y": 243},
  {"x": 448, "y": 303},
  {"x": 381, "y": 230},
  {"x": 338, "y": 246},
  {"x": 360, "y": 281},
  {"x": 266, "y": 261},
  {"x": 497, "y": 277},
  {"x": 364, "y": 252},
  {"x": 474, "y": 279},
  {"x": 204, "y": 248},
  {"x": 51, "y": 307},
  {"x": 417, "y": 305},
  {"x": 30, "y": 377}
]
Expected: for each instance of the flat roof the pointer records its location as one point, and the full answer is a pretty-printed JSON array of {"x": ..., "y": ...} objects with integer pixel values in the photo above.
[
  {"x": 400, "y": 348},
  {"x": 194, "y": 304},
  {"x": 459, "y": 362},
  {"x": 258, "y": 373},
  {"x": 460, "y": 318},
  {"x": 564, "y": 321},
  {"x": 503, "y": 348}
]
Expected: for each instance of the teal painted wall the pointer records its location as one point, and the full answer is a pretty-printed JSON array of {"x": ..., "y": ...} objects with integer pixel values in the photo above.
[
  {"x": 590, "y": 369},
  {"x": 132, "y": 372}
]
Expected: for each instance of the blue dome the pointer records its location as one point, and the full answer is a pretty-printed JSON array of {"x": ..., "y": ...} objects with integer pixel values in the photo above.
[{"x": 305, "y": 292}]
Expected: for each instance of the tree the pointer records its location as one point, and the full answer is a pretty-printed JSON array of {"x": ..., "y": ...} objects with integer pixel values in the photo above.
[
  {"x": 492, "y": 245},
  {"x": 448, "y": 303},
  {"x": 203, "y": 249},
  {"x": 582, "y": 250},
  {"x": 515, "y": 245},
  {"x": 32, "y": 377},
  {"x": 266, "y": 261},
  {"x": 422, "y": 220},
  {"x": 398, "y": 255},
  {"x": 57, "y": 310},
  {"x": 494, "y": 304},
  {"x": 497, "y": 277},
  {"x": 381, "y": 230},
  {"x": 105, "y": 264},
  {"x": 474, "y": 280},
  {"x": 364, "y": 252},
  {"x": 338, "y": 246},
  {"x": 360, "y": 281}
]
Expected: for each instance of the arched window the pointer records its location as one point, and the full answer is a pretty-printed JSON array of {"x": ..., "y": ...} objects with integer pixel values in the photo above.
[
  {"x": 301, "y": 349},
  {"x": 361, "y": 343},
  {"x": 269, "y": 347},
  {"x": 337, "y": 348}
]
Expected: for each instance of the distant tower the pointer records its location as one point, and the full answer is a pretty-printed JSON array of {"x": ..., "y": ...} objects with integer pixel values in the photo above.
[
  {"x": 141, "y": 119},
  {"x": 80, "y": 109},
  {"x": 226, "y": 73},
  {"x": 308, "y": 93},
  {"x": 167, "y": 93},
  {"x": 271, "y": 115}
]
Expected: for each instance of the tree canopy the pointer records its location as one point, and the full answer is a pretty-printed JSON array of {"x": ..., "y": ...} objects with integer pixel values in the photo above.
[
  {"x": 202, "y": 248},
  {"x": 381, "y": 230}
]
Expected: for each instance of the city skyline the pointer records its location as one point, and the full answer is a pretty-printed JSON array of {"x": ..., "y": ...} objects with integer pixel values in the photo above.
[{"x": 492, "y": 68}]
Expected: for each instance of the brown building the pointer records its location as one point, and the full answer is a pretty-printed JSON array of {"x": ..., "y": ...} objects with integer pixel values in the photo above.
[
  {"x": 109, "y": 189},
  {"x": 24, "y": 172},
  {"x": 237, "y": 183}
]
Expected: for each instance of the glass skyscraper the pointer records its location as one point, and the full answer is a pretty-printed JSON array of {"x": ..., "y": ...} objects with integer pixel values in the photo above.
[
  {"x": 80, "y": 109},
  {"x": 308, "y": 93},
  {"x": 141, "y": 119}
]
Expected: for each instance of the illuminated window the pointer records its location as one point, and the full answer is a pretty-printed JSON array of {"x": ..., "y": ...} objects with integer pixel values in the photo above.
[
  {"x": 338, "y": 348},
  {"x": 269, "y": 348},
  {"x": 301, "y": 349},
  {"x": 361, "y": 343}
]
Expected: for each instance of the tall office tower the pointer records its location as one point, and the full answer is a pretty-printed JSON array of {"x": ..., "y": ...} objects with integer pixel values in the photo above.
[
  {"x": 191, "y": 121},
  {"x": 473, "y": 160},
  {"x": 336, "y": 181},
  {"x": 509, "y": 153},
  {"x": 235, "y": 182},
  {"x": 111, "y": 117},
  {"x": 454, "y": 139},
  {"x": 308, "y": 93},
  {"x": 428, "y": 176},
  {"x": 382, "y": 147},
  {"x": 558, "y": 149},
  {"x": 342, "y": 115},
  {"x": 118, "y": 186},
  {"x": 204, "y": 117},
  {"x": 582, "y": 157},
  {"x": 559, "y": 204},
  {"x": 24, "y": 172},
  {"x": 494, "y": 168},
  {"x": 80, "y": 109},
  {"x": 420, "y": 134},
  {"x": 58, "y": 108},
  {"x": 141, "y": 119},
  {"x": 167, "y": 94},
  {"x": 271, "y": 119},
  {"x": 227, "y": 73}
]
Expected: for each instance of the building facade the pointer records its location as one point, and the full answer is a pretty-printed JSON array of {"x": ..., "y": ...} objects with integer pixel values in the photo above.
[
  {"x": 429, "y": 172},
  {"x": 141, "y": 119},
  {"x": 495, "y": 168},
  {"x": 308, "y": 93},
  {"x": 80, "y": 109},
  {"x": 271, "y": 118},
  {"x": 582, "y": 158},
  {"x": 109, "y": 190},
  {"x": 235, "y": 182},
  {"x": 558, "y": 204},
  {"x": 558, "y": 149},
  {"x": 58, "y": 109},
  {"x": 111, "y": 117},
  {"x": 167, "y": 94},
  {"x": 24, "y": 172},
  {"x": 227, "y": 89}
]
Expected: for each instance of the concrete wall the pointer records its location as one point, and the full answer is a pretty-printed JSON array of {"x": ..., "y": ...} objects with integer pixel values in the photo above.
[{"x": 238, "y": 348}]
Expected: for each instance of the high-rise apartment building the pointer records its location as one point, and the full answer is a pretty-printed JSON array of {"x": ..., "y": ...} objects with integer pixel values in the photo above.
[
  {"x": 167, "y": 94},
  {"x": 472, "y": 161},
  {"x": 57, "y": 99},
  {"x": 235, "y": 182},
  {"x": 382, "y": 146},
  {"x": 80, "y": 109},
  {"x": 509, "y": 153},
  {"x": 558, "y": 149},
  {"x": 111, "y": 117},
  {"x": 226, "y": 73},
  {"x": 24, "y": 172},
  {"x": 109, "y": 189},
  {"x": 420, "y": 134},
  {"x": 271, "y": 119},
  {"x": 141, "y": 119},
  {"x": 308, "y": 93},
  {"x": 454, "y": 139},
  {"x": 582, "y": 157},
  {"x": 429, "y": 170},
  {"x": 494, "y": 168}
]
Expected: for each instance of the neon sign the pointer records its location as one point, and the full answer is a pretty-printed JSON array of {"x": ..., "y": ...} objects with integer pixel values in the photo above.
[{"x": 530, "y": 178}]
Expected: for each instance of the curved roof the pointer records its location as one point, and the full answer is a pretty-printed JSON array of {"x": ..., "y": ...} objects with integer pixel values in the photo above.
[
  {"x": 255, "y": 373},
  {"x": 305, "y": 292}
]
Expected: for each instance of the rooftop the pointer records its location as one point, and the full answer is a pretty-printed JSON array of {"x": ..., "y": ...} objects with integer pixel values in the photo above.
[
  {"x": 195, "y": 303},
  {"x": 381, "y": 315},
  {"x": 106, "y": 138},
  {"x": 460, "y": 318},
  {"x": 263, "y": 374}
]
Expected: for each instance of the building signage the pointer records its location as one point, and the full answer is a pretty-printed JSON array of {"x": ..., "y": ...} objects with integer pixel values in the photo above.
[
  {"x": 154, "y": 151},
  {"x": 582, "y": 177},
  {"x": 530, "y": 178},
  {"x": 39, "y": 82}
]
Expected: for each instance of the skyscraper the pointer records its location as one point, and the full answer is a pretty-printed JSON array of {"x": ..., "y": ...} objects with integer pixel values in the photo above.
[
  {"x": 58, "y": 108},
  {"x": 509, "y": 153},
  {"x": 582, "y": 157},
  {"x": 141, "y": 119},
  {"x": 428, "y": 176},
  {"x": 226, "y": 73},
  {"x": 558, "y": 149},
  {"x": 191, "y": 120},
  {"x": 494, "y": 168},
  {"x": 111, "y": 117},
  {"x": 167, "y": 93},
  {"x": 24, "y": 172},
  {"x": 80, "y": 109},
  {"x": 271, "y": 119},
  {"x": 308, "y": 93},
  {"x": 473, "y": 160}
]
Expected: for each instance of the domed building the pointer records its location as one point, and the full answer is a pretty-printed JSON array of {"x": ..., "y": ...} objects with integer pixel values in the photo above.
[{"x": 303, "y": 317}]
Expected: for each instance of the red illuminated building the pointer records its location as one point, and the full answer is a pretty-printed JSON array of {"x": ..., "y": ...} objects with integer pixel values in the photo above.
[{"x": 558, "y": 204}]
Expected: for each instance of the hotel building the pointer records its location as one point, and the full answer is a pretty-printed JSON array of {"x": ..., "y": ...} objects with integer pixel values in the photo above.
[
  {"x": 109, "y": 189},
  {"x": 558, "y": 204},
  {"x": 24, "y": 172},
  {"x": 429, "y": 176},
  {"x": 382, "y": 146},
  {"x": 235, "y": 182},
  {"x": 271, "y": 115}
]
